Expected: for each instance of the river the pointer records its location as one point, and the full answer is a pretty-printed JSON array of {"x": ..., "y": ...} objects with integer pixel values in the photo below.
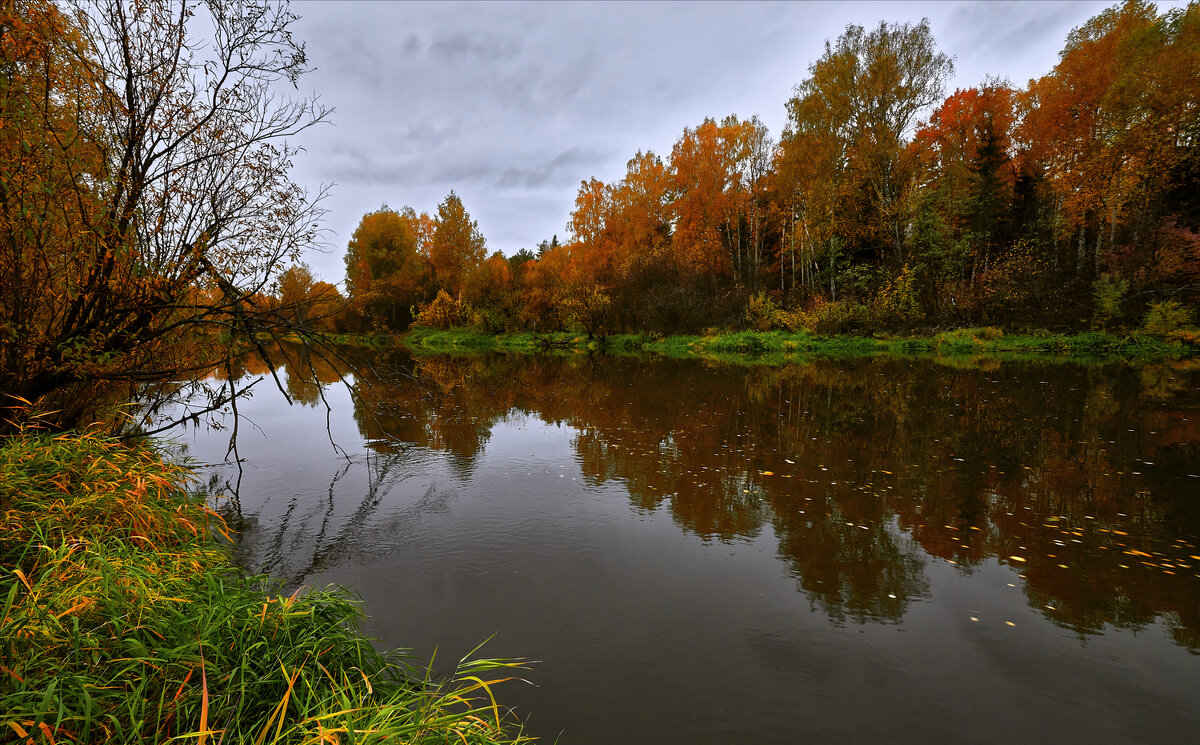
[{"x": 865, "y": 550}]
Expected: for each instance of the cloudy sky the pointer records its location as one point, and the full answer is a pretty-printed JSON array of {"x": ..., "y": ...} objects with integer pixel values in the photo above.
[{"x": 512, "y": 105}]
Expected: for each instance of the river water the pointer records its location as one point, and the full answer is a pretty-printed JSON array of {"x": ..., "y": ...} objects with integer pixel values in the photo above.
[{"x": 869, "y": 550}]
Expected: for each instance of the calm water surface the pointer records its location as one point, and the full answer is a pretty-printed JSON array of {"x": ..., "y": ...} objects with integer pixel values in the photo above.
[{"x": 851, "y": 551}]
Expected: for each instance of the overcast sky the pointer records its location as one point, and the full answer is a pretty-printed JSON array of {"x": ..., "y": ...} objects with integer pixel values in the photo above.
[{"x": 512, "y": 105}]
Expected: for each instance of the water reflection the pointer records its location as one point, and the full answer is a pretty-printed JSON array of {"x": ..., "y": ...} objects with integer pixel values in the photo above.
[{"x": 1081, "y": 479}]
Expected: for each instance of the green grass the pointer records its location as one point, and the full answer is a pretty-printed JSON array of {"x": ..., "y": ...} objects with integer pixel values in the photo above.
[
  {"x": 122, "y": 622},
  {"x": 342, "y": 340},
  {"x": 780, "y": 347}
]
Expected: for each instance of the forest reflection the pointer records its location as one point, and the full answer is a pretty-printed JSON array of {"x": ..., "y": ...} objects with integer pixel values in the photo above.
[{"x": 864, "y": 470}]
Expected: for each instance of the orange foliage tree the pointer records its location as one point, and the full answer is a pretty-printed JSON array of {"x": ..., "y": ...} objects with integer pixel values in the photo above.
[
  {"x": 456, "y": 245},
  {"x": 1111, "y": 124},
  {"x": 387, "y": 267},
  {"x": 144, "y": 190}
]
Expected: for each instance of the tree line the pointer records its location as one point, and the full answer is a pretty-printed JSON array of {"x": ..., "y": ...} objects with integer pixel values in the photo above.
[{"x": 884, "y": 204}]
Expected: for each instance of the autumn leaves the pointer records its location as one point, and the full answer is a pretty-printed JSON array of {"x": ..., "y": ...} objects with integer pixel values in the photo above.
[{"x": 887, "y": 204}]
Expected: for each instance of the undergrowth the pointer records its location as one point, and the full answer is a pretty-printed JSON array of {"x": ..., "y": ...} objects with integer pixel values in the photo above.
[
  {"x": 783, "y": 347},
  {"x": 122, "y": 622}
]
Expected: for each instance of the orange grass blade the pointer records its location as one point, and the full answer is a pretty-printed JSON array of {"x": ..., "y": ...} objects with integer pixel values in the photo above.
[
  {"x": 203, "y": 700},
  {"x": 186, "y": 678},
  {"x": 21, "y": 576}
]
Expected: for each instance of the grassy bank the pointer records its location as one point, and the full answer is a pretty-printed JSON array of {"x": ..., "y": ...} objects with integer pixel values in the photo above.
[
  {"x": 778, "y": 347},
  {"x": 122, "y": 622}
]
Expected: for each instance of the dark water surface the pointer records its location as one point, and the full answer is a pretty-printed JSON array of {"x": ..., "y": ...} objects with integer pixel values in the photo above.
[{"x": 851, "y": 551}]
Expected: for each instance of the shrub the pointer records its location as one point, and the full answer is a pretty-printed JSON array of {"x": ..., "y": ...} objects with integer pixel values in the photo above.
[
  {"x": 897, "y": 302},
  {"x": 1107, "y": 294},
  {"x": 761, "y": 312},
  {"x": 1165, "y": 317},
  {"x": 837, "y": 317},
  {"x": 444, "y": 312}
]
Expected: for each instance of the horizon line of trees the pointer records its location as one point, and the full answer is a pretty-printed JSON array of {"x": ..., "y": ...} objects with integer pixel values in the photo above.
[{"x": 883, "y": 204}]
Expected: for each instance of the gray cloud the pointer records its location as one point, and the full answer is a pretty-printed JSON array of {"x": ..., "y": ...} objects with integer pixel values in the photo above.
[
  {"x": 1008, "y": 29},
  {"x": 460, "y": 47},
  {"x": 545, "y": 172},
  {"x": 350, "y": 164},
  {"x": 411, "y": 47},
  {"x": 432, "y": 134}
]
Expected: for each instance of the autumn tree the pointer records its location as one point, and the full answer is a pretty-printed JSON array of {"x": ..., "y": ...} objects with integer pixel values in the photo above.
[
  {"x": 865, "y": 95},
  {"x": 823, "y": 213},
  {"x": 963, "y": 214},
  {"x": 144, "y": 189},
  {"x": 1111, "y": 125},
  {"x": 489, "y": 287},
  {"x": 456, "y": 246},
  {"x": 641, "y": 233},
  {"x": 544, "y": 285},
  {"x": 325, "y": 308},
  {"x": 308, "y": 303},
  {"x": 704, "y": 166},
  {"x": 387, "y": 266},
  {"x": 293, "y": 288},
  {"x": 519, "y": 259}
]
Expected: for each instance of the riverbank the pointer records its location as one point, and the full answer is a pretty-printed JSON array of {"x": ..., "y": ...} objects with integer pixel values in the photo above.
[
  {"x": 123, "y": 621},
  {"x": 778, "y": 347}
]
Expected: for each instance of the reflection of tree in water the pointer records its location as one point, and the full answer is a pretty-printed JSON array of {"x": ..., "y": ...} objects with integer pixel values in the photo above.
[
  {"x": 436, "y": 407},
  {"x": 351, "y": 536},
  {"x": 856, "y": 465},
  {"x": 307, "y": 538}
]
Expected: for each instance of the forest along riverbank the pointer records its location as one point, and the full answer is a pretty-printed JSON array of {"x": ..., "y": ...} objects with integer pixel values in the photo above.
[
  {"x": 124, "y": 621},
  {"x": 780, "y": 347}
]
